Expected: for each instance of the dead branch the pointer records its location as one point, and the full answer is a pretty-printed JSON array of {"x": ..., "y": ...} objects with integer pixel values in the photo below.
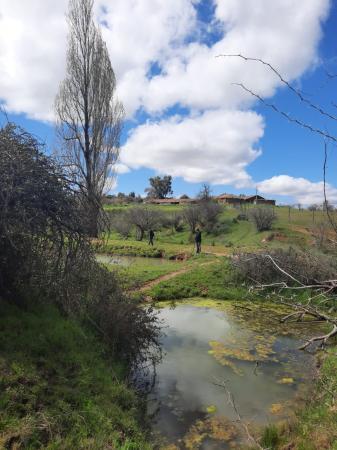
[
  {"x": 282, "y": 270},
  {"x": 312, "y": 311},
  {"x": 295, "y": 91},
  {"x": 290, "y": 118},
  {"x": 315, "y": 306},
  {"x": 323, "y": 338},
  {"x": 239, "y": 419},
  {"x": 332, "y": 222},
  {"x": 286, "y": 115}
]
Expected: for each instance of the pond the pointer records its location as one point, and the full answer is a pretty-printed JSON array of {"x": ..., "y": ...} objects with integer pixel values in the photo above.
[{"x": 242, "y": 346}]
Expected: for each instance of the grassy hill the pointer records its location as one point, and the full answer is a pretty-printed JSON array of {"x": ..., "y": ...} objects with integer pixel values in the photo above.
[{"x": 295, "y": 229}]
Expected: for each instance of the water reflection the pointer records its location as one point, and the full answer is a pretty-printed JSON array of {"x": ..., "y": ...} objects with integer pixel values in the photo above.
[{"x": 264, "y": 373}]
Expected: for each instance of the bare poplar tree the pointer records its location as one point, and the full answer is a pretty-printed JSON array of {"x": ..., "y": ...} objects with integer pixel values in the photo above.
[{"x": 89, "y": 115}]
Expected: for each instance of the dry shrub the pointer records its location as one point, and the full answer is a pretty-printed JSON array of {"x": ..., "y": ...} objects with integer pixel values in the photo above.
[
  {"x": 210, "y": 212},
  {"x": 262, "y": 218},
  {"x": 324, "y": 237},
  {"x": 45, "y": 254},
  {"x": 306, "y": 267},
  {"x": 144, "y": 219},
  {"x": 122, "y": 225},
  {"x": 192, "y": 216}
]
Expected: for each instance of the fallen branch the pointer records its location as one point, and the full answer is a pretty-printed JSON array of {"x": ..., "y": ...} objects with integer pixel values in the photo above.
[
  {"x": 323, "y": 338},
  {"x": 308, "y": 310},
  {"x": 317, "y": 307},
  {"x": 239, "y": 419}
]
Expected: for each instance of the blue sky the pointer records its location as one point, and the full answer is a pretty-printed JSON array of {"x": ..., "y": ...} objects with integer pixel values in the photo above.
[{"x": 184, "y": 116}]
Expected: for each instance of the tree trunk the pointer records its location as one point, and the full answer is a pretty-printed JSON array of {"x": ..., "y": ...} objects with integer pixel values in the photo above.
[
  {"x": 93, "y": 212},
  {"x": 140, "y": 234}
]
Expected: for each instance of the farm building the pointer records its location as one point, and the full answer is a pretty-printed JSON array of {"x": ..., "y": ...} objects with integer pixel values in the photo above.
[{"x": 231, "y": 199}]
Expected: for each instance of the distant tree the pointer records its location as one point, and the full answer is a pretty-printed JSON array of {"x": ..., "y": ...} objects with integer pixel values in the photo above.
[
  {"x": 184, "y": 197},
  {"x": 122, "y": 225},
  {"x": 144, "y": 219},
  {"x": 89, "y": 117},
  {"x": 262, "y": 218},
  {"x": 174, "y": 221},
  {"x": 132, "y": 195},
  {"x": 314, "y": 207},
  {"x": 193, "y": 216},
  {"x": 210, "y": 212},
  {"x": 160, "y": 187},
  {"x": 205, "y": 193}
]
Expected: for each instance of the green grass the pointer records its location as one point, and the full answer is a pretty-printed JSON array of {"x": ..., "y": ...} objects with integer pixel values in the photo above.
[
  {"x": 236, "y": 235},
  {"x": 270, "y": 438},
  {"x": 144, "y": 270},
  {"x": 130, "y": 247},
  {"x": 208, "y": 280},
  {"x": 58, "y": 388}
]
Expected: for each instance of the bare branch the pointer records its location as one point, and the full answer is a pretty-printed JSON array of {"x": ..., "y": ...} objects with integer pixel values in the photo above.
[
  {"x": 297, "y": 92},
  {"x": 231, "y": 401},
  {"x": 332, "y": 222},
  {"x": 288, "y": 116}
]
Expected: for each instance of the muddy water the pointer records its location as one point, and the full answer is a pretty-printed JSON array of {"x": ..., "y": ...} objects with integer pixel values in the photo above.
[{"x": 210, "y": 343}]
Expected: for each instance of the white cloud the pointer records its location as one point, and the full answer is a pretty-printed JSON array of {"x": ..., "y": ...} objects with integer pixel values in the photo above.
[
  {"x": 216, "y": 146},
  {"x": 282, "y": 32},
  {"x": 32, "y": 54},
  {"x": 33, "y": 46},
  {"x": 216, "y": 141},
  {"x": 300, "y": 189},
  {"x": 140, "y": 32},
  {"x": 121, "y": 169}
]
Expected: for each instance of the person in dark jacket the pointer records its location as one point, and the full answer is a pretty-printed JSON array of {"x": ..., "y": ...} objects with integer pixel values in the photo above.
[
  {"x": 151, "y": 237},
  {"x": 197, "y": 239}
]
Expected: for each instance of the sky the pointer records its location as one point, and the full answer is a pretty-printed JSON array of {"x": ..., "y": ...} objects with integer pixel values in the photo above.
[{"x": 186, "y": 116}]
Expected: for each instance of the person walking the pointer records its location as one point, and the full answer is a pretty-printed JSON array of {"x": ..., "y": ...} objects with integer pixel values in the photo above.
[
  {"x": 198, "y": 240},
  {"x": 151, "y": 237}
]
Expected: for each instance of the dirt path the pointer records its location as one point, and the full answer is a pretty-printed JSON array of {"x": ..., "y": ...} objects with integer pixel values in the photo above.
[{"x": 169, "y": 276}]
